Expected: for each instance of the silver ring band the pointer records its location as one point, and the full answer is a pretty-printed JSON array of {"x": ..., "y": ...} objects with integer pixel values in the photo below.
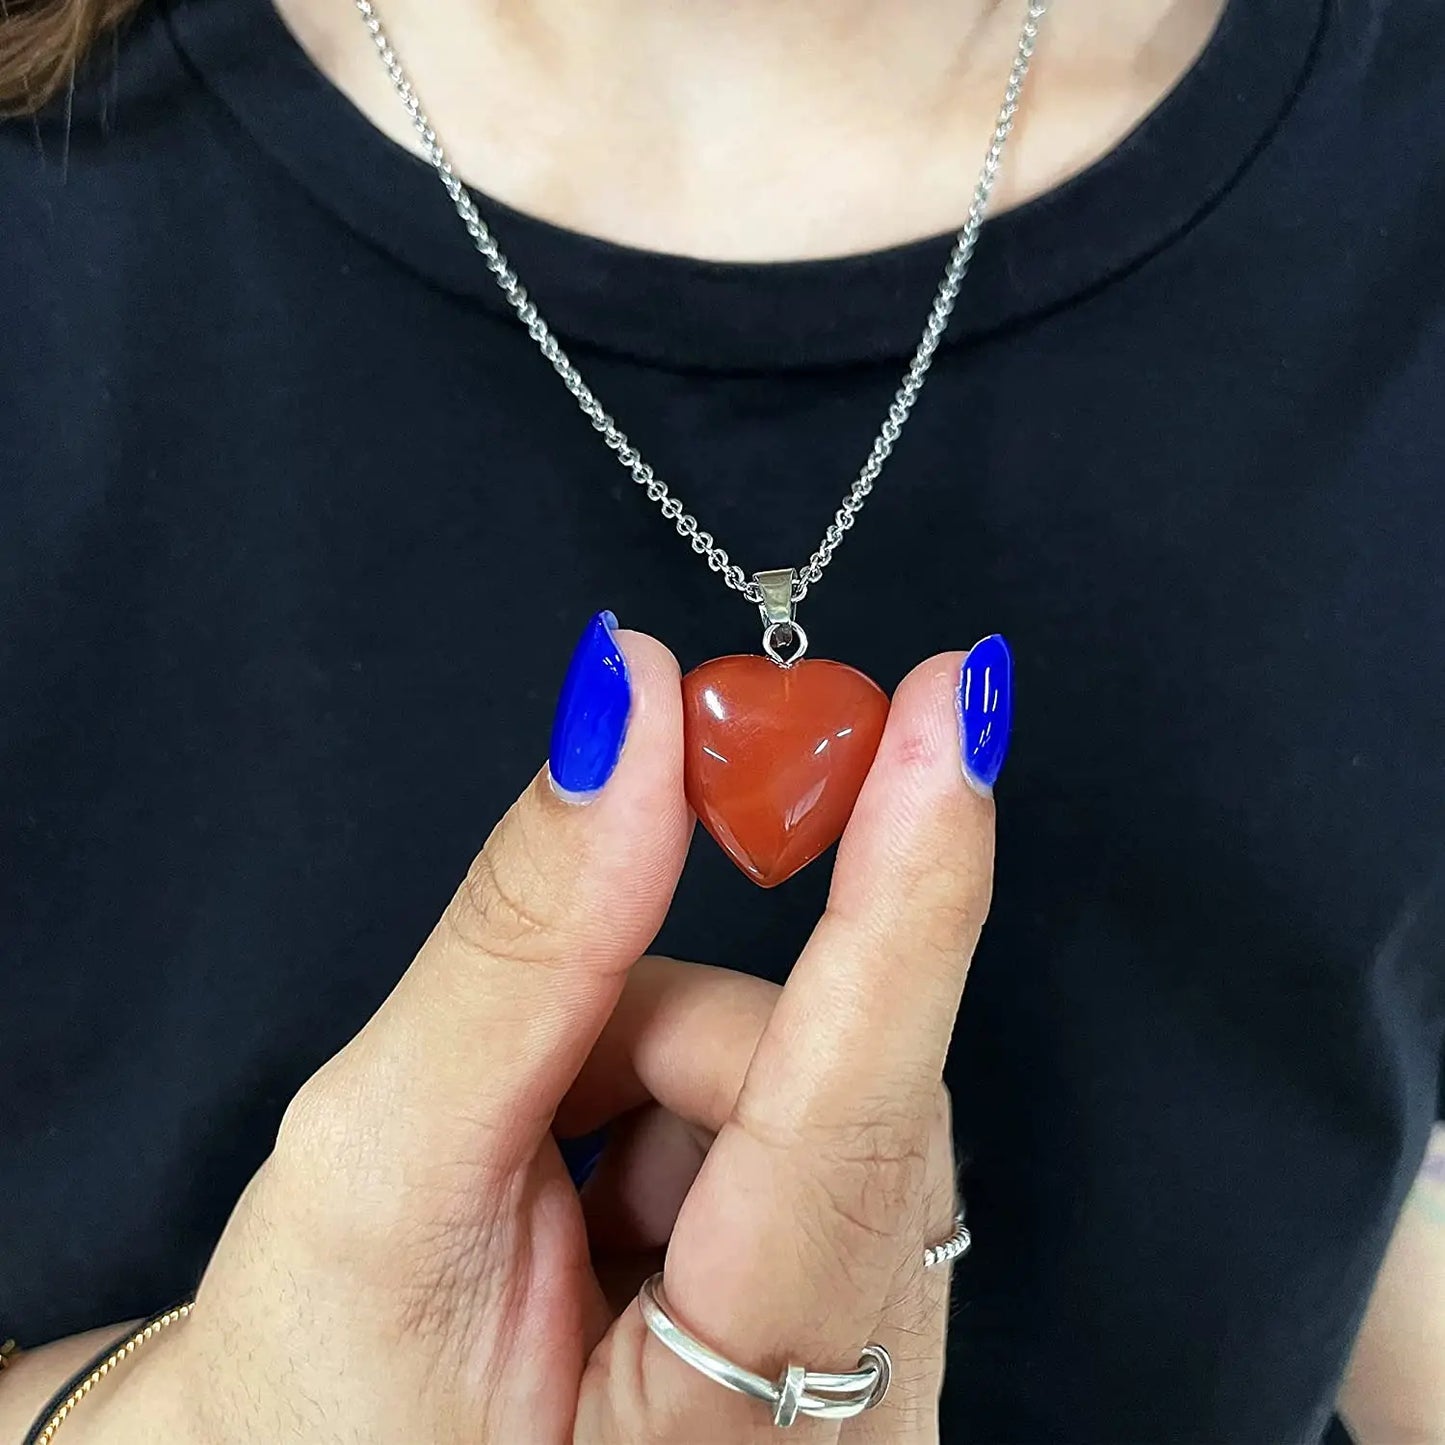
[
  {"x": 824, "y": 1395},
  {"x": 954, "y": 1247}
]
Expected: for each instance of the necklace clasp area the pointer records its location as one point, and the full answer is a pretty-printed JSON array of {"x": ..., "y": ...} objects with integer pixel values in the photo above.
[{"x": 781, "y": 627}]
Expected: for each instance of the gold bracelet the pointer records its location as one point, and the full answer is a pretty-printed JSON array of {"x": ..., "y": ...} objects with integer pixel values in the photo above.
[{"x": 80, "y": 1386}]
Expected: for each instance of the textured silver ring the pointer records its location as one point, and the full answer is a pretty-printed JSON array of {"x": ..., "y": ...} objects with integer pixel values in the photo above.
[
  {"x": 824, "y": 1395},
  {"x": 954, "y": 1247}
]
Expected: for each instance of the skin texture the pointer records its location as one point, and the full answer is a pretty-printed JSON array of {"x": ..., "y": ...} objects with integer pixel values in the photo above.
[
  {"x": 1394, "y": 1393},
  {"x": 788, "y": 1147},
  {"x": 657, "y": 125},
  {"x": 413, "y": 1210}
]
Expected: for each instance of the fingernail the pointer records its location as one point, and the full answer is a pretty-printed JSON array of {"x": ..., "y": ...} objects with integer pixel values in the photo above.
[
  {"x": 591, "y": 721},
  {"x": 986, "y": 711},
  {"x": 582, "y": 1156}
]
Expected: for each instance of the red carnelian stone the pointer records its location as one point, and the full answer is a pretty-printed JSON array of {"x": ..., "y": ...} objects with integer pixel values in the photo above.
[{"x": 775, "y": 757}]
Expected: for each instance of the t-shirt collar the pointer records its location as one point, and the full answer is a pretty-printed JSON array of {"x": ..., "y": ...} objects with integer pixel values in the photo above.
[{"x": 1146, "y": 193}]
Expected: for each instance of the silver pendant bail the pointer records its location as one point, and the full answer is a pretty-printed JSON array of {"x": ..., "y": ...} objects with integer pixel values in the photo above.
[
  {"x": 777, "y": 590},
  {"x": 780, "y": 625}
]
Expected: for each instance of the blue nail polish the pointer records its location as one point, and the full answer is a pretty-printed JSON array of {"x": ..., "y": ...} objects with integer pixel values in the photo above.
[
  {"x": 591, "y": 720},
  {"x": 986, "y": 709},
  {"x": 581, "y": 1156}
]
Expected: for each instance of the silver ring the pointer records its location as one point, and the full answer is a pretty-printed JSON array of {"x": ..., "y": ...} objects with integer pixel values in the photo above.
[
  {"x": 824, "y": 1395},
  {"x": 954, "y": 1247},
  {"x": 785, "y": 632}
]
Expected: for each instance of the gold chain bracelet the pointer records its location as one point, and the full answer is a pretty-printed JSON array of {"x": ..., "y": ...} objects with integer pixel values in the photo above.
[{"x": 45, "y": 1430}]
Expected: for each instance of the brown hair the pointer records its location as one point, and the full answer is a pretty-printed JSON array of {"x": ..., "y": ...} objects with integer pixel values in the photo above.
[{"x": 43, "y": 42}]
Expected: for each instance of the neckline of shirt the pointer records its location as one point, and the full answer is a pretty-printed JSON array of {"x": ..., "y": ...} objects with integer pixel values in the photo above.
[{"x": 678, "y": 311}]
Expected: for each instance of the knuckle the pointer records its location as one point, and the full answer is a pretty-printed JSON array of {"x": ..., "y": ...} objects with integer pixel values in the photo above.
[
  {"x": 324, "y": 1159},
  {"x": 319, "y": 1133},
  {"x": 340, "y": 1188},
  {"x": 872, "y": 1177},
  {"x": 952, "y": 902},
  {"x": 505, "y": 906},
  {"x": 866, "y": 1176}
]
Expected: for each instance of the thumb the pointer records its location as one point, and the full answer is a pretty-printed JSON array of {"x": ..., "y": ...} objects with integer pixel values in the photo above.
[{"x": 491, "y": 1023}]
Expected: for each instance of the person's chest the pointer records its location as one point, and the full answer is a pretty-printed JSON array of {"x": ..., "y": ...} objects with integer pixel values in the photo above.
[{"x": 300, "y": 543}]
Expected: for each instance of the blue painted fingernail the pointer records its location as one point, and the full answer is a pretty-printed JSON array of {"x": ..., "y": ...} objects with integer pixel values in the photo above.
[
  {"x": 591, "y": 721},
  {"x": 986, "y": 710},
  {"x": 582, "y": 1156}
]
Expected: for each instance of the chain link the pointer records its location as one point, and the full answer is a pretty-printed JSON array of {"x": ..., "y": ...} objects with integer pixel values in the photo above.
[{"x": 668, "y": 503}]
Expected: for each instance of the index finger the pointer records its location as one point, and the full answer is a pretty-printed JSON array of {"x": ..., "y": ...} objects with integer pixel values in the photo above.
[
  {"x": 834, "y": 1170},
  {"x": 870, "y": 1004}
]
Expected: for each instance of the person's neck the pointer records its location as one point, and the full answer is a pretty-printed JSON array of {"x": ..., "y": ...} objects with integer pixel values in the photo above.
[{"x": 756, "y": 129}]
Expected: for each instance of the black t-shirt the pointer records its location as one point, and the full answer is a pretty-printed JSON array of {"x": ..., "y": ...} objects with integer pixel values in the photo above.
[{"x": 297, "y": 529}]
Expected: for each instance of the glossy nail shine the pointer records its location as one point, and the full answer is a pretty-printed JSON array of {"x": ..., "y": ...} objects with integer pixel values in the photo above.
[
  {"x": 591, "y": 721},
  {"x": 986, "y": 710}
]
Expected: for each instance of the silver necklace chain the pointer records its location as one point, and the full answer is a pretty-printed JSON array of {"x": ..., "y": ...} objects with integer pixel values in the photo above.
[{"x": 667, "y": 501}]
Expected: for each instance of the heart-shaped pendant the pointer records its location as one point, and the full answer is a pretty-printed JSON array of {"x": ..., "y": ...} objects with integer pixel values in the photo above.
[{"x": 776, "y": 756}]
